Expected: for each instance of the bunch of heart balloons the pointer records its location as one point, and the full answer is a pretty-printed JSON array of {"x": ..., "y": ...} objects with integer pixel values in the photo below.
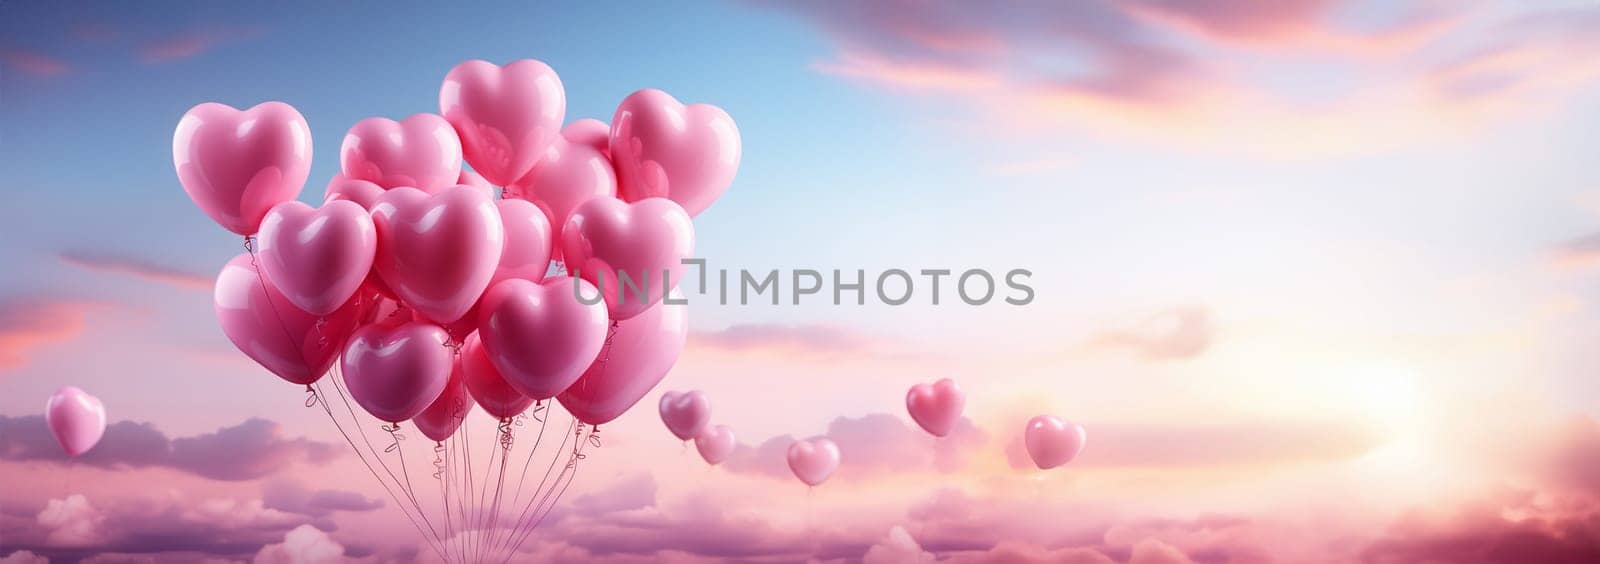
[{"x": 433, "y": 287}]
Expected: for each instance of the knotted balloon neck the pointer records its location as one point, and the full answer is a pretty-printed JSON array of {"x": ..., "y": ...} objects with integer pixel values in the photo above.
[
  {"x": 505, "y": 433},
  {"x": 538, "y": 411},
  {"x": 438, "y": 460},
  {"x": 311, "y": 396}
]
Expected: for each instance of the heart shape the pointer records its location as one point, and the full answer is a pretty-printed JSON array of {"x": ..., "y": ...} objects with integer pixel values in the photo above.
[
  {"x": 642, "y": 351},
  {"x": 363, "y": 193},
  {"x": 568, "y": 175},
  {"x": 506, "y": 116},
  {"x": 540, "y": 336},
  {"x": 237, "y": 164},
  {"x": 633, "y": 252},
  {"x": 396, "y": 372},
  {"x": 936, "y": 407},
  {"x": 685, "y": 413},
  {"x": 1052, "y": 442},
  {"x": 267, "y": 327},
  {"x": 317, "y": 257},
  {"x": 715, "y": 444},
  {"x": 665, "y": 149},
  {"x": 77, "y": 419},
  {"x": 438, "y": 252},
  {"x": 591, "y": 132},
  {"x": 421, "y": 151},
  {"x": 813, "y": 460},
  {"x": 442, "y": 417},
  {"x": 485, "y": 383}
]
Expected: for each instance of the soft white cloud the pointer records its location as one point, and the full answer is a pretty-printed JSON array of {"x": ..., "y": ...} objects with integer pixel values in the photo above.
[
  {"x": 71, "y": 521},
  {"x": 302, "y": 545}
]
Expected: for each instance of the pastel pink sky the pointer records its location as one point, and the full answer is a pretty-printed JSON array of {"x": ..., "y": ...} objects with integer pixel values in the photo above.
[{"x": 1317, "y": 276}]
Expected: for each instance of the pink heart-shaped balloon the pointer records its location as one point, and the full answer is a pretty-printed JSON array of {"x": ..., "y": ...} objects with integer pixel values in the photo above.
[
  {"x": 438, "y": 252},
  {"x": 813, "y": 460},
  {"x": 77, "y": 419},
  {"x": 665, "y": 149},
  {"x": 936, "y": 407},
  {"x": 396, "y": 372},
  {"x": 442, "y": 417},
  {"x": 236, "y": 164},
  {"x": 541, "y": 336},
  {"x": 591, "y": 132},
  {"x": 1052, "y": 442},
  {"x": 632, "y": 252},
  {"x": 486, "y": 385},
  {"x": 363, "y": 193},
  {"x": 568, "y": 175},
  {"x": 475, "y": 180},
  {"x": 526, "y": 256},
  {"x": 642, "y": 350},
  {"x": 420, "y": 151},
  {"x": 685, "y": 413},
  {"x": 267, "y": 327},
  {"x": 715, "y": 444},
  {"x": 506, "y": 116},
  {"x": 318, "y": 258}
]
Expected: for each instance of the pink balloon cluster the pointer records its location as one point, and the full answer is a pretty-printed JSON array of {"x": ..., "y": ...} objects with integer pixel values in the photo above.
[{"x": 432, "y": 292}]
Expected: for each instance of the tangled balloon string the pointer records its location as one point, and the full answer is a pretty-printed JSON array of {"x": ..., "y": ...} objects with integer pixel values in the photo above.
[{"x": 471, "y": 521}]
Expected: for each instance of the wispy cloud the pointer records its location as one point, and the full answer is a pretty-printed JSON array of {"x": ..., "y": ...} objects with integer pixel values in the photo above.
[
  {"x": 137, "y": 267},
  {"x": 1180, "y": 333},
  {"x": 194, "y": 43},
  {"x": 252, "y": 449},
  {"x": 34, "y": 63},
  {"x": 806, "y": 339},
  {"x": 28, "y": 323}
]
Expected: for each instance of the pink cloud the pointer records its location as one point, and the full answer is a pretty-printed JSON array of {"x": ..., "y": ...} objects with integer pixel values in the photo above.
[
  {"x": 814, "y": 340},
  {"x": 137, "y": 267},
  {"x": 1179, "y": 333},
  {"x": 26, "y": 324},
  {"x": 1114, "y": 445},
  {"x": 252, "y": 449},
  {"x": 870, "y": 446},
  {"x": 37, "y": 64},
  {"x": 193, "y": 43}
]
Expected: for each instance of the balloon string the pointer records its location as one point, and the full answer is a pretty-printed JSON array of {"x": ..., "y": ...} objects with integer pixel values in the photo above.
[
  {"x": 594, "y": 437},
  {"x": 538, "y": 408},
  {"x": 578, "y": 453},
  {"x": 526, "y": 517},
  {"x": 393, "y": 429},
  {"x": 311, "y": 396},
  {"x": 505, "y": 436},
  {"x": 438, "y": 462},
  {"x": 255, "y": 264}
]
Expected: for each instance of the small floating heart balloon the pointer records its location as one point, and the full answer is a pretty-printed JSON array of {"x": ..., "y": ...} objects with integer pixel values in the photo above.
[
  {"x": 664, "y": 149},
  {"x": 1052, "y": 442},
  {"x": 421, "y": 151},
  {"x": 936, "y": 408},
  {"x": 267, "y": 327},
  {"x": 813, "y": 460},
  {"x": 395, "y": 373},
  {"x": 685, "y": 413},
  {"x": 715, "y": 443},
  {"x": 632, "y": 252},
  {"x": 642, "y": 351},
  {"x": 318, "y": 257},
  {"x": 446, "y": 413},
  {"x": 506, "y": 115},
  {"x": 237, "y": 164},
  {"x": 541, "y": 336},
  {"x": 77, "y": 419},
  {"x": 486, "y": 385}
]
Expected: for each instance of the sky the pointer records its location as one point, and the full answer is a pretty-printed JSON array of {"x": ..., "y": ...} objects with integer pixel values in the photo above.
[{"x": 1316, "y": 276}]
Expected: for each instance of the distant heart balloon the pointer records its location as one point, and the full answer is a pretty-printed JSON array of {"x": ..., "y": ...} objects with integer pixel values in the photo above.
[
  {"x": 715, "y": 444},
  {"x": 77, "y": 419},
  {"x": 237, "y": 164},
  {"x": 1052, "y": 442},
  {"x": 685, "y": 413},
  {"x": 936, "y": 408},
  {"x": 813, "y": 460}
]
